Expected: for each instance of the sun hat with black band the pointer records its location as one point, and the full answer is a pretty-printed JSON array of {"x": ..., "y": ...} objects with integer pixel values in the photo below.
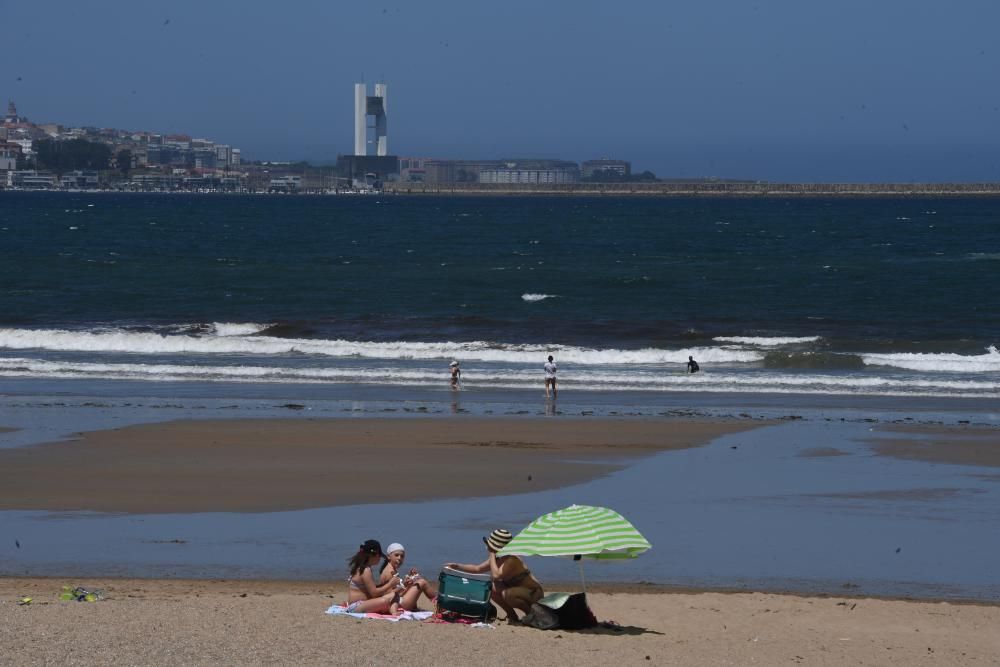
[
  {"x": 498, "y": 539},
  {"x": 372, "y": 547}
]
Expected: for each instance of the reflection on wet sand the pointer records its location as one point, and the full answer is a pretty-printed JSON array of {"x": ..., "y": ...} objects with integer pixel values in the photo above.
[
  {"x": 973, "y": 446},
  {"x": 257, "y": 465}
]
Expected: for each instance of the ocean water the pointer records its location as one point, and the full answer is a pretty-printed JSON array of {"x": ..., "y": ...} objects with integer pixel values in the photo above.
[
  {"x": 829, "y": 297},
  {"x": 826, "y": 317}
]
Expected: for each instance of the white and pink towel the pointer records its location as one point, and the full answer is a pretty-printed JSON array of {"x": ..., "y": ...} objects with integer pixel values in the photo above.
[{"x": 340, "y": 610}]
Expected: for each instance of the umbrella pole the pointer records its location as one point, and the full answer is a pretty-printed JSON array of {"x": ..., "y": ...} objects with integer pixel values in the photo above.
[{"x": 583, "y": 582}]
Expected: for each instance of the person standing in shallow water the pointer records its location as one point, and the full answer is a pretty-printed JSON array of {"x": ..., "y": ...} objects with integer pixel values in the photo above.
[
  {"x": 692, "y": 365},
  {"x": 456, "y": 375},
  {"x": 550, "y": 377}
]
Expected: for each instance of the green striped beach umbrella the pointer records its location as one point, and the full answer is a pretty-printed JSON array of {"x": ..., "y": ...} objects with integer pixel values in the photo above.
[{"x": 579, "y": 531}]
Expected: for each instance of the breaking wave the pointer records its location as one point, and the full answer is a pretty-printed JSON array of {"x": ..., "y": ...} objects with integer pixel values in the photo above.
[
  {"x": 123, "y": 341},
  {"x": 579, "y": 379},
  {"x": 814, "y": 361},
  {"x": 764, "y": 341},
  {"x": 953, "y": 363},
  {"x": 530, "y": 298},
  {"x": 237, "y": 329}
]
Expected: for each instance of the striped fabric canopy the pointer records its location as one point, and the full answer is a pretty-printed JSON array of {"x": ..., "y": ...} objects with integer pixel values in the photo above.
[{"x": 579, "y": 530}]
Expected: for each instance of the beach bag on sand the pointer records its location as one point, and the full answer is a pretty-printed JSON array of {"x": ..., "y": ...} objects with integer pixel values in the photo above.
[
  {"x": 570, "y": 612},
  {"x": 541, "y": 618}
]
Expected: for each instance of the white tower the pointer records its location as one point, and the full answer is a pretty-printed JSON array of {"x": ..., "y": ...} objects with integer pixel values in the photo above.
[{"x": 364, "y": 106}]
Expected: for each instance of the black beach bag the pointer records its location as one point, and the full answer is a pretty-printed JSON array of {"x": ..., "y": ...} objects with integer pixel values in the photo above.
[{"x": 560, "y": 610}]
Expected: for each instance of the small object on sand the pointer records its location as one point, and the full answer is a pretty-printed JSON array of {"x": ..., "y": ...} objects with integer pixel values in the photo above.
[
  {"x": 25, "y": 600},
  {"x": 81, "y": 594},
  {"x": 529, "y": 478}
]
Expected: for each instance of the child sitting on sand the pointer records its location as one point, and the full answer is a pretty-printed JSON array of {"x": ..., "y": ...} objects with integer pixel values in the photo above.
[
  {"x": 413, "y": 583},
  {"x": 363, "y": 593}
]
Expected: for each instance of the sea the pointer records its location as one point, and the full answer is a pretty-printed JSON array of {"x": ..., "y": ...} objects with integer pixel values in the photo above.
[
  {"x": 825, "y": 323},
  {"x": 863, "y": 297}
]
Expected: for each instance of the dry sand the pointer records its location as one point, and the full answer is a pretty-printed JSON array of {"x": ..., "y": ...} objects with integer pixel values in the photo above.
[
  {"x": 268, "y": 465},
  {"x": 231, "y": 622}
]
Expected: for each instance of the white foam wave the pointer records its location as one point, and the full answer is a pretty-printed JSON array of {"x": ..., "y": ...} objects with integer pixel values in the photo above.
[
  {"x": 954, "y": 363},
  {"x": 153, "y": 343},
  {"x": 529, "y": 297},
  {"x": 237, "y": 329},
  {"x": 507, "y": 378},
  {"x": 765, "y": 341},
  {"x": 244, "y": 340}
]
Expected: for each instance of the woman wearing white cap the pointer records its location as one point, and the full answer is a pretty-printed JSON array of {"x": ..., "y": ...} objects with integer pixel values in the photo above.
[
  {"x": 514, "y": 587},
  {"x": 456, "y": 374},
  {"x": 412, "y": 584}
]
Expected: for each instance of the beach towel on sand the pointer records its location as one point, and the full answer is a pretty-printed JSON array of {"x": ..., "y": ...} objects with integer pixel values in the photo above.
[{"x": 340, "y": 610}]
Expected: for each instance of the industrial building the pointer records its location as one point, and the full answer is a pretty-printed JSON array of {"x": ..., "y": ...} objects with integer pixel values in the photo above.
[
  {"x": 618, "y": 168},
  {"x": 532, "y": 172}
]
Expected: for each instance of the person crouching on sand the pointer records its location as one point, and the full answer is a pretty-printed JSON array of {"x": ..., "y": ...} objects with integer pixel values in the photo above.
[
  {"x": 363, "y": 593},
  {"x": 413, "y": 583},
  {"x": 514, "y": 587}
]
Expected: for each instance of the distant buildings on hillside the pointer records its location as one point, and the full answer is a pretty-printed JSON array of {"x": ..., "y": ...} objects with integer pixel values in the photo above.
[
  {"x": 145, "y": 161},
  {"x": 146, "y": 156}
]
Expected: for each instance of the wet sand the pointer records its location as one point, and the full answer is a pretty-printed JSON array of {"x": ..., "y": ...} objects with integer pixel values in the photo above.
[
  {"x": 972, "y": 446},
  {"x": 272, "y": 465},
  {"x": 273, "y": 622}
]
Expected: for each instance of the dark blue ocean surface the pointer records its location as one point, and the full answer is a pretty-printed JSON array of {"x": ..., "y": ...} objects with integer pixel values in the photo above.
[
  {"x": 786, "y": 286},
  {"x": 626, "y": 269}
]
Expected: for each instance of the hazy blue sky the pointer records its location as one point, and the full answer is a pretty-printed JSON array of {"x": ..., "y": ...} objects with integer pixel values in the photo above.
[{"x": 797, "y": 90}]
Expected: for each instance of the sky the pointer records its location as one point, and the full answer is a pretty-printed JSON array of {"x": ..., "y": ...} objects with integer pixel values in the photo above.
[{"x": 780, "y": 90}]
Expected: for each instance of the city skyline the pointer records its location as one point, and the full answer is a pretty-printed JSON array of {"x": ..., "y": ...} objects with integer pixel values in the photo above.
[{"x": 786, "y": 93}]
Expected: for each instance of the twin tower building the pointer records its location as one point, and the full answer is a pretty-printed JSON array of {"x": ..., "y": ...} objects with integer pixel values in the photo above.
[
  {"x": 368, "y": 169},
  {"x": 366, "y": 105}
]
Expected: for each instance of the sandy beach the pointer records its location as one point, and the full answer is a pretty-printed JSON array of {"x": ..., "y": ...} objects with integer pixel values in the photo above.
[
  {"x": 256, "y": 466},
  {"x": 250, "y": 622},
  {"x": 268, "y": 465}
]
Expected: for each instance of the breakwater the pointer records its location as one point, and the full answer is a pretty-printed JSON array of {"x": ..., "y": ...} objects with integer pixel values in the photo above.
[{"x": 681, "y": 189}]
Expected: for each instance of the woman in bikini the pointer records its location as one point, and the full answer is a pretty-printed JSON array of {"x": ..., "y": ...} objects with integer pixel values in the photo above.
[
  {"x": 363, "y": 593},
  {"x": 413, "y": 583},
  {"x": 514, "y": 587}
]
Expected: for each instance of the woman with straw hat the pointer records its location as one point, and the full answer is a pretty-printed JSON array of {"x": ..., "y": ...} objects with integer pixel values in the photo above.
[{"x": 514, "y": 587}]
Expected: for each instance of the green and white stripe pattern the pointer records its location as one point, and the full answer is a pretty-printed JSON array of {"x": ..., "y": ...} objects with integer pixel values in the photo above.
[{"x": 591, "y": 532}]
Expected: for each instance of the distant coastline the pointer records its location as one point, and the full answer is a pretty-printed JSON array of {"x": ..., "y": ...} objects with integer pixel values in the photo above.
[{"x": 659, "y": 189}]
